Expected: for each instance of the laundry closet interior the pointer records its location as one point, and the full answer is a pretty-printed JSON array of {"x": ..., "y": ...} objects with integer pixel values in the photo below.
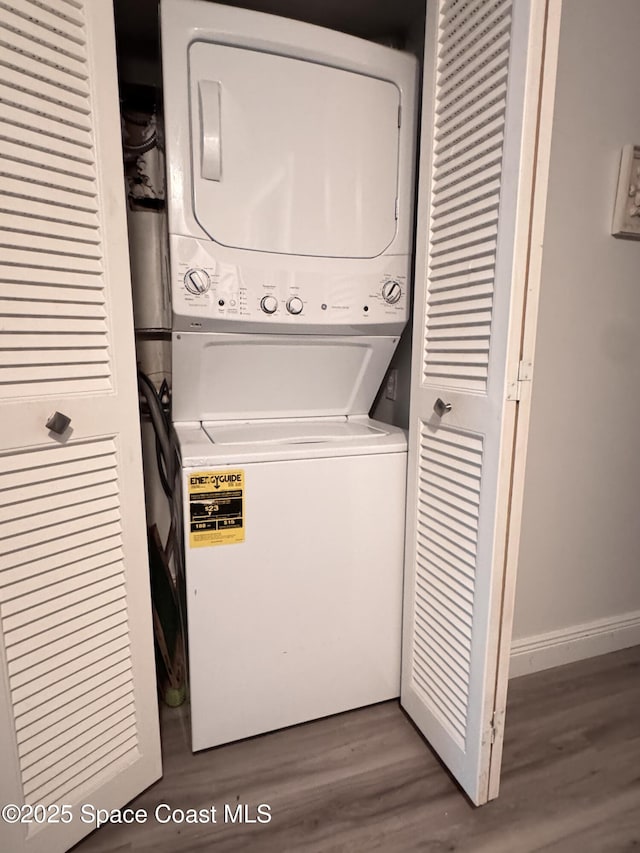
[{"x": 276, "y": 312}]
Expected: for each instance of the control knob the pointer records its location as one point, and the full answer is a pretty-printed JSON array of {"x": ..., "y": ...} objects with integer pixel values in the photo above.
[
  {"x": 269, "y": 304},
  {"x": 294, "y": 305},
  {"x": 391, "y": 292},
  {"x": 197, "y": 281}
]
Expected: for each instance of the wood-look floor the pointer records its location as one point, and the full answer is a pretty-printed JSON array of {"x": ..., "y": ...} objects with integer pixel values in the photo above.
[{"x": 365, "y": 780}]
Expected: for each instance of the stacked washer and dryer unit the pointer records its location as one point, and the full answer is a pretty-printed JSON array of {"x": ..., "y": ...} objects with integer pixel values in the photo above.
[{"x": 290, "y": 153}]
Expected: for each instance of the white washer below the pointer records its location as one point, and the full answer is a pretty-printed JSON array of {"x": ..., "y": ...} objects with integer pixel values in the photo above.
[{"x": 302, "y": 618}]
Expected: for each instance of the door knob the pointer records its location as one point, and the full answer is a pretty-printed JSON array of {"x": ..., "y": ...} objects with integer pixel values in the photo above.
[
  {"x": 58, "y": 423},
  {"x": 441, "y": 408}
]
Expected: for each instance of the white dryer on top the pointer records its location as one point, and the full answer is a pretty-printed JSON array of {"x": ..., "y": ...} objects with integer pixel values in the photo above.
[{"x": 290, "y": 174}]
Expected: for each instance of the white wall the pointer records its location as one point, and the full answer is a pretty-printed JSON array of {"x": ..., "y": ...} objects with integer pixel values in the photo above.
[{"x": 578, "y": 587}]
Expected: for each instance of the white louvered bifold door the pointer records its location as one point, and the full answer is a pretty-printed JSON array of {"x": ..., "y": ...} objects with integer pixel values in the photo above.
[
  {"x": 78, "y": 709},
  {"x": 482, "y": 60}
]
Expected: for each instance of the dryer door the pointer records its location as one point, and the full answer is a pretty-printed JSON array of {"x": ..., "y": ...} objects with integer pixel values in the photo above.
[{"x": 290, "y": 156}]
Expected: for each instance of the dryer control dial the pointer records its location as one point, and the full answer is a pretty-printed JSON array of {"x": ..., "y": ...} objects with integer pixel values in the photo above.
[
  {"x": 197, "y": 281},
  {"x": 269, "y": 304},
  {"x": 391, "y": 292},
  {"x": 294, "y": 305}
]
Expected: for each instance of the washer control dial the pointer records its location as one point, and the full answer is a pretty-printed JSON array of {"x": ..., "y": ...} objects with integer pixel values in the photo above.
[
  {"x": 294, "y": 305},
  {"x": 391, "y": 292},
  {"x": 197, "y": 281},
  {"x": 269, "y": 304}
]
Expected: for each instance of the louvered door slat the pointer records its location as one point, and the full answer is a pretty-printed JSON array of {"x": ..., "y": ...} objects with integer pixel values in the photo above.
[
  {"x": 61, "y": 358},
  {"x": 57, "y": 219},
  {"x": 40, "y": 56},
  {"x": 60, "y": 566},
  {"x": 443, "y": 643},
  {"x": 33, "y": 104},
  {"x": 455, "y": 214},
  {"x": 64, "y": 536},
  {"x": 25, "y": 687},
  {"x": 473, "y": 286},
  {"x": 51, "y": 293},
  {"x": 105, "y": 553},
  {"x": 38, "y": 704},
  {"x": 51, "y": 94},
  {"x": 450, "y": 301},
  {"x": 483, "y": 138},
  {"x": 48, "y": 145},
  {"x": 73, "y": 517},
  {"x": 35, "y": 29},
  {"x": 71, "y": 496},
  {"x": 33, "y": 171},
  {"x": 61, "y": 469},
  {"x": 103, "y": 584},
  {"x": 64, "y": 770},
  {"x": 97, "y": 769},
  {"x": 68, "y": 10},
  {"x": 480, "y": 180},
  {"x": 66, "y": 262},
  {"x": 40, "y": 275},
  {"x": 472, "y": 228},
  {"x": 463, "y": 164},
  {"x": 44, "y": 69},
  {"x": 18, "y": 115},
  {"x": 67, "y": 28},
  {"x": 54, "y": 456},
  {"x": 41, "y": 193},
  {"x": 63, "y": 734},
  {"x": 482, "y": 253},
  {"x": 480, "y": 44},
  {"x": 430, "y": 659},
  {"x": 453, "y": 663},
  {"x": 76, "y": 254},
  {"x": 448, "y": 574},
  {"x": 427, "y": 661},
  {"x": 62, "y": 746},
  {"x": 48, "y": 637},
  {"x": 480, "y": 121},
  {"x": 467, "y": 33},
  {"x": 453, "y": 497},
  {"x": 17, "y": 306},
  {"x": 462, "y": 104},
  {"x": 76, "y": 373},
  {"x": 57, "y": 325},
  {"x": 35, "y": 725},
  {"x": 433, "y": 622},
  {"x": 459, "y": 599},
  {"x": 87, "y": 535},
  {"x": 49, "y": 161}
]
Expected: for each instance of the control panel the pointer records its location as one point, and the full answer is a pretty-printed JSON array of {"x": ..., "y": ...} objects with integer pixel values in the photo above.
[{"x": 205, "y": 288}]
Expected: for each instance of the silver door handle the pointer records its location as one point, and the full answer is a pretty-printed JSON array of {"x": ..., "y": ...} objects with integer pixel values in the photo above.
[{"x": 441, "y": 408}]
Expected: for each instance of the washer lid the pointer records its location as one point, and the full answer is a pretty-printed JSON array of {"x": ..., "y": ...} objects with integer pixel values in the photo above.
[{"x": 291, "y": 432}]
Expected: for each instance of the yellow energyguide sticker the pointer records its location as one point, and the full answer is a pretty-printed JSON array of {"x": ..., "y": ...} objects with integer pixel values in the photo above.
[{"x": 216, "y": 507}]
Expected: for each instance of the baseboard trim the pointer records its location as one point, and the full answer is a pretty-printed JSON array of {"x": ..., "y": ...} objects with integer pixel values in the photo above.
[{"x": 543, "y": 651}]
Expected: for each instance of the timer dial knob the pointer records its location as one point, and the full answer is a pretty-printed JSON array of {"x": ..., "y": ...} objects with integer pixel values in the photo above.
[
  {"x": 197, "y": 281},
  {"x": 269, "y": 304},
  {"x": 391, "y": 292},
  {"x": 294, "y": 305}
]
